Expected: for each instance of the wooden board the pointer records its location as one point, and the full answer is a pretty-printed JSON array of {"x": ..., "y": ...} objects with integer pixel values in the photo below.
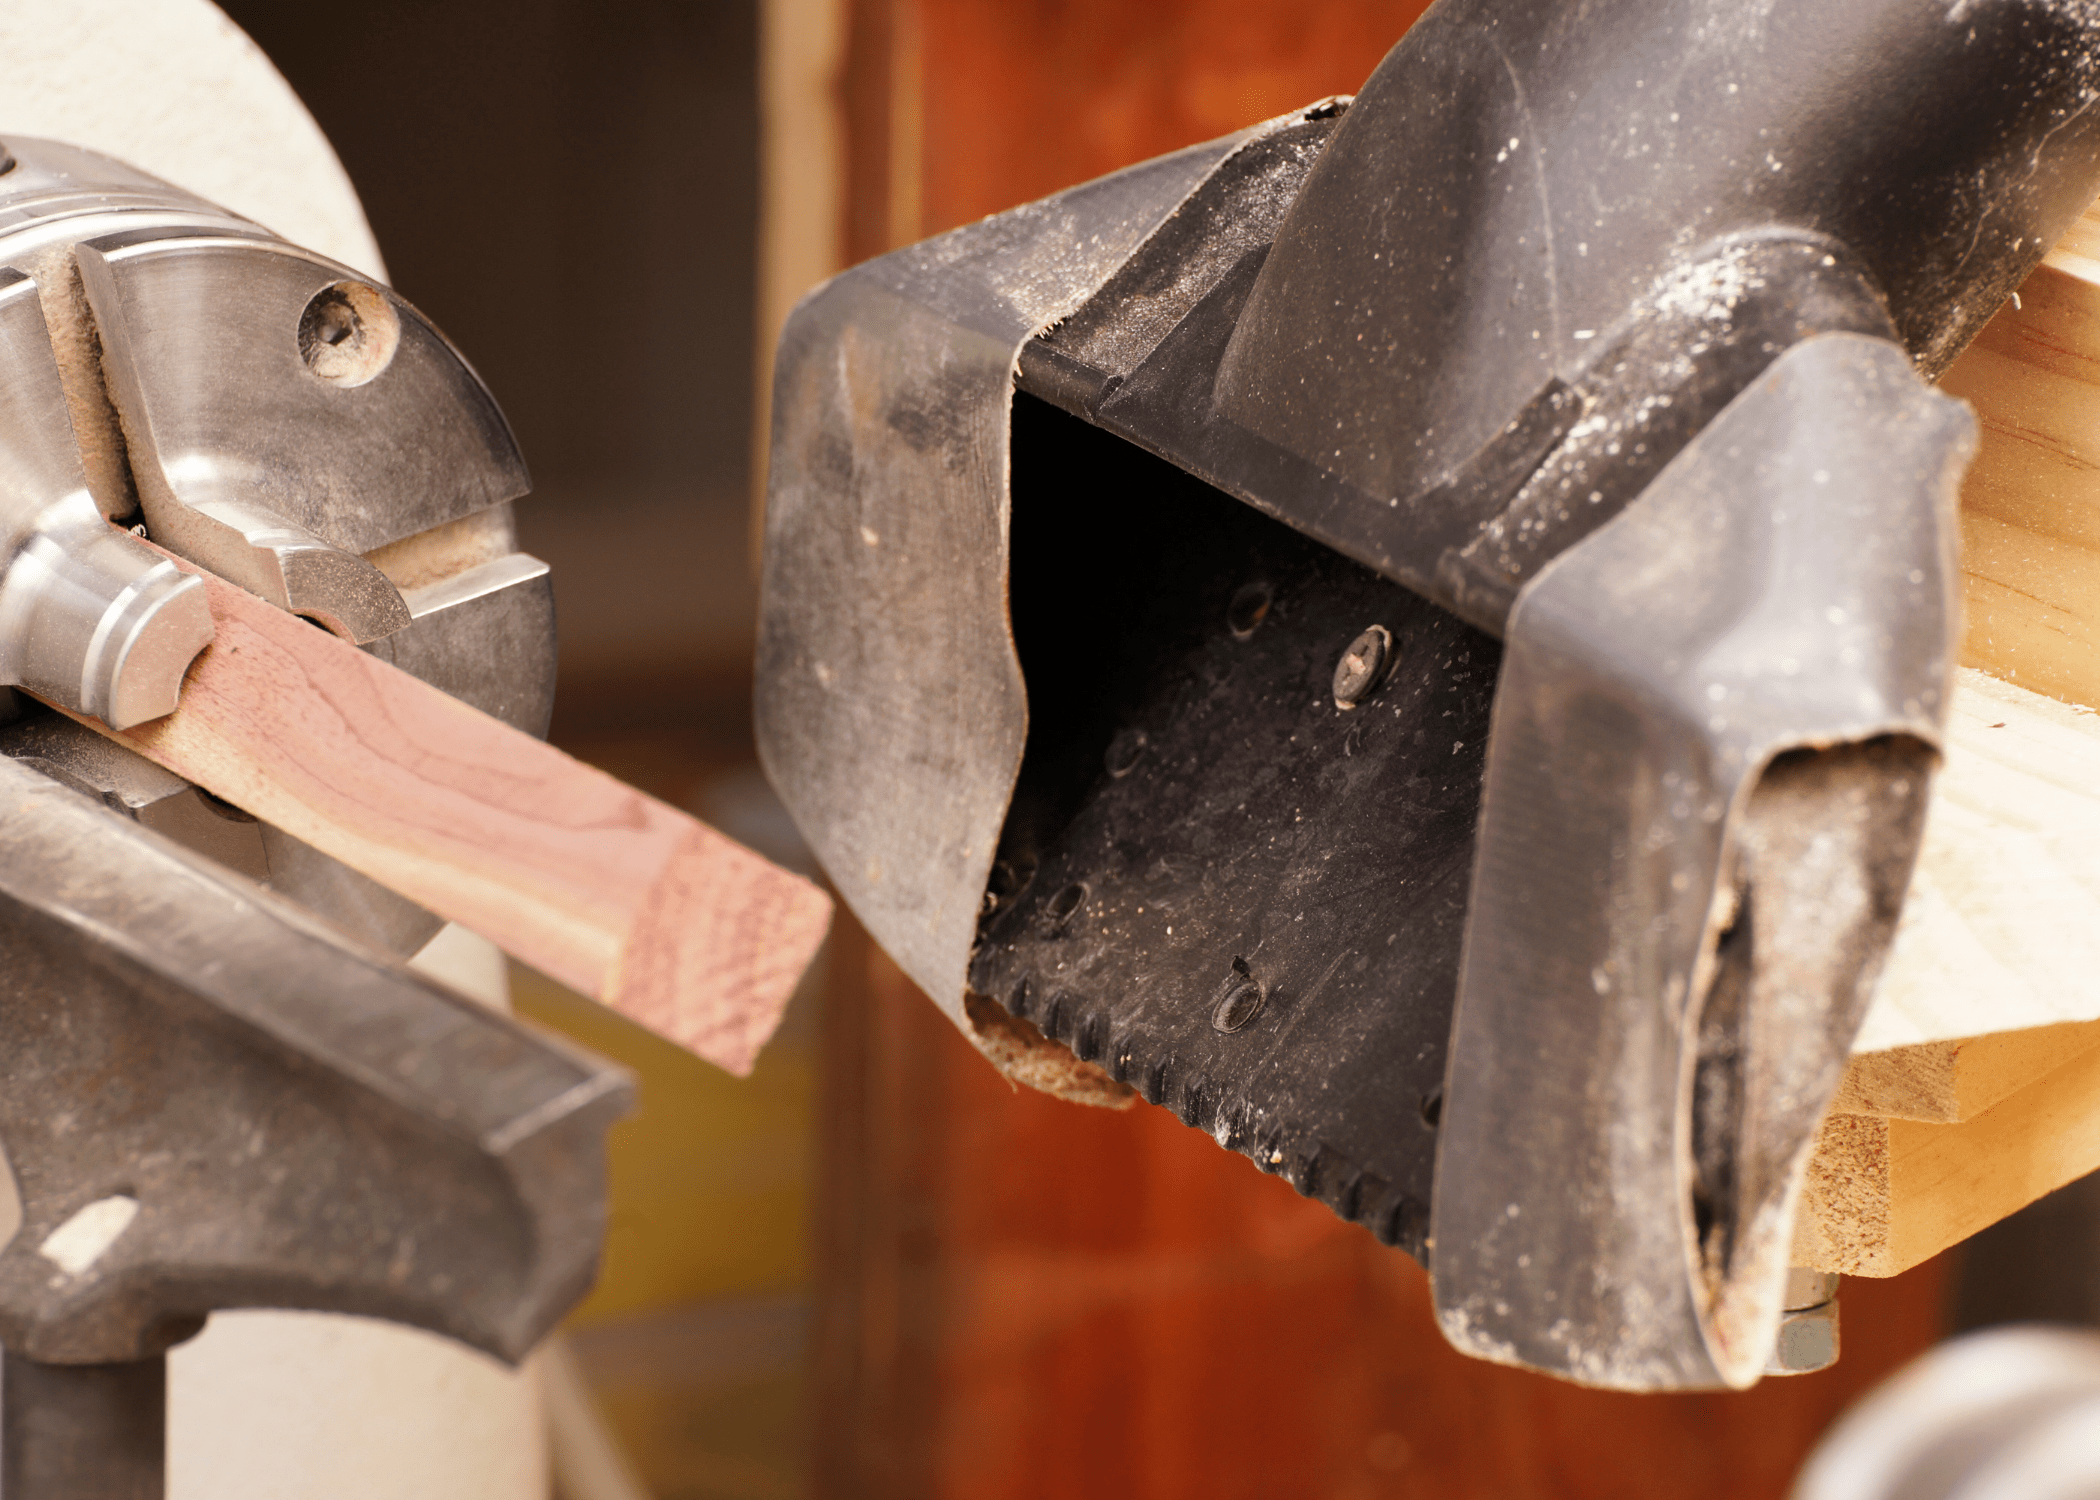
[
  {"x": 1977, "y": 1085},
  {"x": 1944, "y": 1083},
  {"x": 2031, "y": 502},
  {"x": 1886, "y": 1194},
  {"x": 2002, "y": 927},
  {"x": 584, "y": 878}
]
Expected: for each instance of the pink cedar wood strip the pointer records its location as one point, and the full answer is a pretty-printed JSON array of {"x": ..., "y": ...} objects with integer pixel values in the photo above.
[{"x": 565, "y": 868}]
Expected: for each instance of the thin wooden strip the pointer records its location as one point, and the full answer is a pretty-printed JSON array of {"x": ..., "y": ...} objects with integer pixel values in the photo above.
[
  {"x": 565, "y": 868},
  {"x": 1885, "y": 1194},
  {"x": 1944, "y": 1083}
]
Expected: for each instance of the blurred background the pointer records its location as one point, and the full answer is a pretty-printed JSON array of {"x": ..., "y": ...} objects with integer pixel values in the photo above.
[{"x": 873, "y": 1269}]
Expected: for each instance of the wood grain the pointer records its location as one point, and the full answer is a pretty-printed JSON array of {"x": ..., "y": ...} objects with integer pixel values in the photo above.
[
  {"x": 1944, "y": 1083},
  {"x": 1885, "y": 1194},
  {"x": 2031, "y": 502},
  {"x": 1978, "y": 1087},
  {"x": 2001, "y": 930},
  {"x": 1978, "y": 1090},
  {"x": 584, "y": 878}
]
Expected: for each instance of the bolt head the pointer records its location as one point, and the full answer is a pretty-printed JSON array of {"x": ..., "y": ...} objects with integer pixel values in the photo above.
[{"x": 1362, "y": 667}]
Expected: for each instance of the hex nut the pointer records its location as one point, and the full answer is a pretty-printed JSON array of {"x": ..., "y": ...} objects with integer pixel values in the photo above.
[{"x": 1807, "y": 1341}]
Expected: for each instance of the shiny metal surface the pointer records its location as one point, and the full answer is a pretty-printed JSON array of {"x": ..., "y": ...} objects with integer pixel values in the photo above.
[
  {"x": 208, "y": 1098},
  {"x": 170, "y": 806},
  {"x": 88, "y": 617},
  {"x": 301, "y": 1122},
  {"x": 1808, "y": 1324},
  {"x": 57, "y": 193},
  {"x": 482, "y": 636},
  {"x": 277, "y": 477},
  {"x": 268, "y": 415},
  {"x": 275, "y": 560},
  {"x": 201, "y": 338}
]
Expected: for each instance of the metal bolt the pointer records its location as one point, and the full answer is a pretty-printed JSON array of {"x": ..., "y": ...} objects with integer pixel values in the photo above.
[
  {"x": 1362, "y": 666},
  {"x": 1808, "y": 1326},
  {"x": 1239, "y": 1000}
]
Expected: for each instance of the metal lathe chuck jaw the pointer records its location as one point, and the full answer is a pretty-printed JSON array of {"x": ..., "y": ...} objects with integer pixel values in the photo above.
[{"x": 219, "y": 1087}]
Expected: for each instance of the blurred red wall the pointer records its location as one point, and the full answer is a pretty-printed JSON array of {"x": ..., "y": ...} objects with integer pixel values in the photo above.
[
  {"x": 1023, "y": 99},
  {"x": 1031, "y": 1300}
]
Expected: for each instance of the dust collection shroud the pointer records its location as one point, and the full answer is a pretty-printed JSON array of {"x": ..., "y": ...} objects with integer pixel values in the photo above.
[{"x": 1416, "y": 635}]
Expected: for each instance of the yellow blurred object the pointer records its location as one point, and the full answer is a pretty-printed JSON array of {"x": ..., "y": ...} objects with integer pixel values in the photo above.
[{"x": 709, "y": 1190}]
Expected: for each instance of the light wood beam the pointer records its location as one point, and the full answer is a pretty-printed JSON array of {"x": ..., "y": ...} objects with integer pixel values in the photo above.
[{"x": 1976, "y": 1088}]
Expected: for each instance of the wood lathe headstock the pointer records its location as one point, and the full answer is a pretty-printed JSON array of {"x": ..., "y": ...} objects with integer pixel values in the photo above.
[{"x": 261, "y": 603}]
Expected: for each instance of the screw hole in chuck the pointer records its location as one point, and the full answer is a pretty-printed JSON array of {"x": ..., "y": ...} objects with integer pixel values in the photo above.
[{"x": 348, "y": 333}]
